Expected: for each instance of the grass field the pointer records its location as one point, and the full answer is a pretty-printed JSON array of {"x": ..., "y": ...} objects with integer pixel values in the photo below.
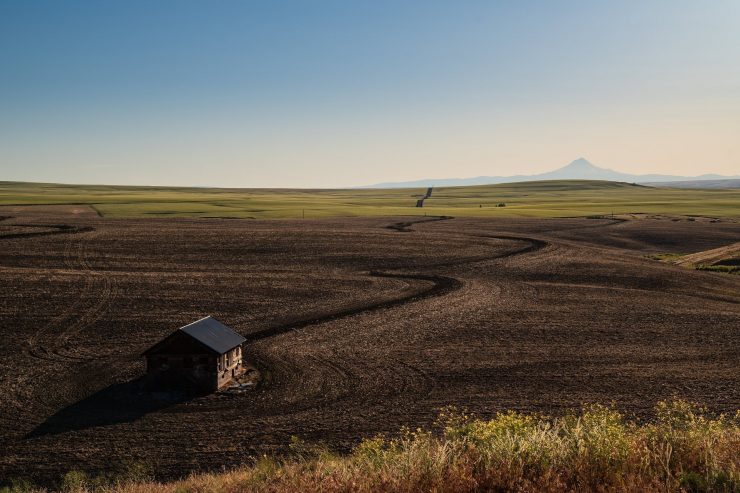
[
  {"x": 526, "y": 199},
  {"x": 684, "y": 450}
]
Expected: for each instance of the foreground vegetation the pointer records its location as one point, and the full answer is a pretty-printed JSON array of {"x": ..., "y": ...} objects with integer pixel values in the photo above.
[
  {"x": 683, "y": 449},
  {"x": 568, "y": 198}
]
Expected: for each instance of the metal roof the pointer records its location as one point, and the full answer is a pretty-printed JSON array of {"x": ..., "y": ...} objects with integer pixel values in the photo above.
[{"x": 213, "y": 334}]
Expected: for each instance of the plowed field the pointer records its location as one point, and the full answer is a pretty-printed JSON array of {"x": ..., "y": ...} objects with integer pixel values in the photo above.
[{"x": 358, "y": 325}]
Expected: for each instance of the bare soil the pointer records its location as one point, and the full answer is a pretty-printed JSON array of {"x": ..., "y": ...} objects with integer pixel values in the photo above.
[{"x": 358, "y": 326}]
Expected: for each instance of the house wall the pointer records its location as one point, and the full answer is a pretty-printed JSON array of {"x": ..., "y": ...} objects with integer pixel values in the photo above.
[
  {"x": 171, "y": 369},
  {"x": 229, "y": 366},
  {"x": 205, "y": 371}
]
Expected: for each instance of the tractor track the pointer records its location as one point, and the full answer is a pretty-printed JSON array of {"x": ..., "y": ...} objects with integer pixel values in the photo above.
[
  {"x": 412, "y": 378},
  {"x": 405, "y": 226},
  {"x": 56, "y": 229},
  {"x": 97, "y": 286},
  {"x": 51, "y": 343},
  {"x": 441, "y": 285}
]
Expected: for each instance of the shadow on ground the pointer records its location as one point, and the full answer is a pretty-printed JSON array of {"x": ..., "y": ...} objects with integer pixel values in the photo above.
[{"x": 118, "y": 403}]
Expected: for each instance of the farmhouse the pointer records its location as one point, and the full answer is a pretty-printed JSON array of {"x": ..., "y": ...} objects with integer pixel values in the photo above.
[{"x": 205, "y": 354}]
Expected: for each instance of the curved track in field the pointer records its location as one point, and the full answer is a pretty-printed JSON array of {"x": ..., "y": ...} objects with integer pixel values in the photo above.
[
  {"x": 49, "y": 230},
  {"x": 441, "y": 285},
  {"x": 405, "y": 226},
  {"x": 342, "y": 381},
  {"x": 94, "y": 296},
  {"x": 58, "y": 346}
]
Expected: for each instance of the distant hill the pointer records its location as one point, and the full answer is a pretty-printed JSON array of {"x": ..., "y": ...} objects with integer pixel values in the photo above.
[
  {"x": 705, "y": 184},
  {"x": 541, "y": 198},
  {"x": 580, "y": 169}
]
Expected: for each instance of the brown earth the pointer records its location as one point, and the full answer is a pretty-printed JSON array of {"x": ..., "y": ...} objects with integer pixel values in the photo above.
[{"x": 359, "y": 326}]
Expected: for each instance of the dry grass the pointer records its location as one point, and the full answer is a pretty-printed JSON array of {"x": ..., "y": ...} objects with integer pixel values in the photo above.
[
  {"x": 683, "y": 449},
  {"x": 716, "y": 257}
]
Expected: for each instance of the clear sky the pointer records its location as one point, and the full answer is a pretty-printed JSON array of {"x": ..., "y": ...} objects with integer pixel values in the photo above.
[{"x": 333, "y": 93}]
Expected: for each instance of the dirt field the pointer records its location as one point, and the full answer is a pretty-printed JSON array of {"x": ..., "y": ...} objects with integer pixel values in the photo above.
[{"x": 359, "y": 326}]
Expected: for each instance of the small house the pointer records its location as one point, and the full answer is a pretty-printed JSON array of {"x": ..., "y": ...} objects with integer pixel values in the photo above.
[{"x": 205, "y": 354}]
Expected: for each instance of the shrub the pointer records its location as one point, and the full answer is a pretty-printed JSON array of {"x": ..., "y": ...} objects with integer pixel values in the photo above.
[
  {"x": 17, "y": 485},
  {"x": 683, "y": 449}
]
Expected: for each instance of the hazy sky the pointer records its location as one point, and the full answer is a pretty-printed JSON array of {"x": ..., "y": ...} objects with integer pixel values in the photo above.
[{"x": 336, "y": 93}]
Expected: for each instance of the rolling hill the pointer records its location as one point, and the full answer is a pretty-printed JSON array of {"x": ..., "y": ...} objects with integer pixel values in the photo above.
[
  {"x": 553, "y": 198},
  {"x": 580, "y": 169}
]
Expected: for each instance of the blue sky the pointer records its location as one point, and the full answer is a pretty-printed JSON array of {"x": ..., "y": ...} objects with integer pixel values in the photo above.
[{"x": 338, "y": 93}]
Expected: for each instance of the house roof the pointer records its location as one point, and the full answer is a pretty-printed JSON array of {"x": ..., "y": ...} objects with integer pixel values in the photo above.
[{"x": 211, "y": 333}]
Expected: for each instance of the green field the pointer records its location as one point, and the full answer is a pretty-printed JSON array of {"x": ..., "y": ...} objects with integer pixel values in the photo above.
[{"x": 526, "y": 199}]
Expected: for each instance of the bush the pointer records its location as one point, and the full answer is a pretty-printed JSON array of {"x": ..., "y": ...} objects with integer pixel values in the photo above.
[
  {"x": 683, "y": 449},
  {"x": 17, "y": 485}
]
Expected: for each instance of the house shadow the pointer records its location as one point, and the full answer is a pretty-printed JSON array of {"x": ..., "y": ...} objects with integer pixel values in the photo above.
[{"x": 118, "y": 403}]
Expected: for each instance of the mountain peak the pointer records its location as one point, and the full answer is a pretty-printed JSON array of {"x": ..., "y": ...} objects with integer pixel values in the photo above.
[
  {"x": 580, "y": 163},
  {"x": 580, "y": 169}
]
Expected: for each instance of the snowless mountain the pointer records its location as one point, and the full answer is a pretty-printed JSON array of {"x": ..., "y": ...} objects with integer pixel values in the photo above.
[{"x": 580, "y": 169}]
